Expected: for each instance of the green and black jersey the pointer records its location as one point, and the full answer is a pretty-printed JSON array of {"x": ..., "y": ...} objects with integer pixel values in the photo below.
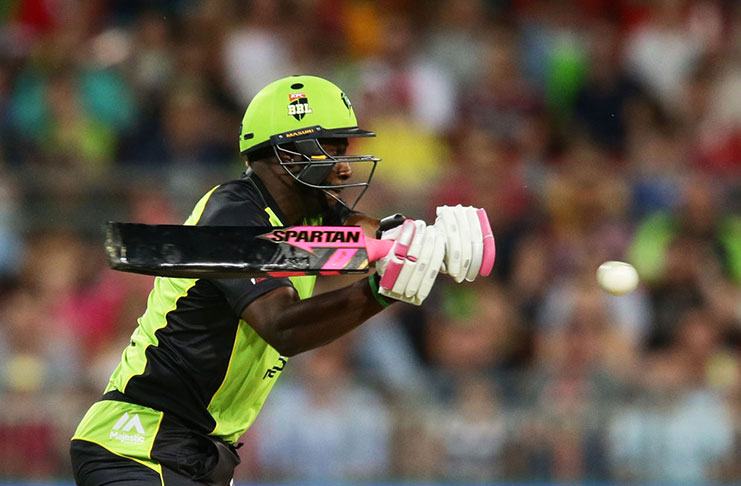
[{"x": 192, "y": 357}]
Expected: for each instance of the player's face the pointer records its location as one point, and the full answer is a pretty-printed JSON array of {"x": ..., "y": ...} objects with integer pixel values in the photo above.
[
  {"x": 315, "y": 200},
  {"x": 334, "y": 146},
  {"x": 341, "y": 171}
]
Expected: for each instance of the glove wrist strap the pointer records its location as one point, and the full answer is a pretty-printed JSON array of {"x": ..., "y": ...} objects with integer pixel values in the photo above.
[{"x": 373, "y": 283}]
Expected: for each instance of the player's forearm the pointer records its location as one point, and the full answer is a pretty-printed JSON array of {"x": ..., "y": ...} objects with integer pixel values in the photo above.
[
  {"x": 369, "y": 224},
  {"x": 293, "y": 326}
]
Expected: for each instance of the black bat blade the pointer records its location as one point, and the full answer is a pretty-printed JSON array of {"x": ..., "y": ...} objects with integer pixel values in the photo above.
[{"x": 219, "y": 252}]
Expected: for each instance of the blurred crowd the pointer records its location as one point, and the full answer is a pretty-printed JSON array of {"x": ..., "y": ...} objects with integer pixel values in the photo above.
[{"x": 590, "y": 130}]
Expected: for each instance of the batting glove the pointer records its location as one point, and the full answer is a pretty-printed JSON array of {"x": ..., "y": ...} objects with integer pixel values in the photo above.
[
  {"x": 411, "y": 266},
  {"x": 469, "y": 242}
]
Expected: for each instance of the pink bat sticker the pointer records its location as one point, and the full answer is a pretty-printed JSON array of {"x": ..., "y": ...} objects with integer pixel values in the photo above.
[{"x": 347, "y": 240}]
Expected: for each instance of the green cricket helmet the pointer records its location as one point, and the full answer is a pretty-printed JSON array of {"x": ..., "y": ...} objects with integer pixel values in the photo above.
[{"x": 291, "y": 116}]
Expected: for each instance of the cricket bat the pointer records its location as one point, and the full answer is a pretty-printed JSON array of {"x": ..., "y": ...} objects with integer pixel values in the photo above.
[{"x": 240, "y": 252}]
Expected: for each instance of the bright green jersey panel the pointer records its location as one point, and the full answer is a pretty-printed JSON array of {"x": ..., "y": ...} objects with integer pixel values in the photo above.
[
  {"x": 162, "y": 299},
  {"x": 125, "y": 429}
]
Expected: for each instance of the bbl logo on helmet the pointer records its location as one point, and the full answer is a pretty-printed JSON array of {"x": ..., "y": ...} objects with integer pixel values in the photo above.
[{"x": 298, "y": 105}]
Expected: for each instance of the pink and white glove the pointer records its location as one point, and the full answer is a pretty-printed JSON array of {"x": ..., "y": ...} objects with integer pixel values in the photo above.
[
  {"x": 410, "y": 268},
  {"x": 469, "y": 243}
]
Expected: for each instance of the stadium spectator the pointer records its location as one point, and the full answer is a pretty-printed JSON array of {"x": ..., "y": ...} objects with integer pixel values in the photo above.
[
  {"x": 661, "y": 53},
  {"x": 689, "y": 257},
  {"x": 602, "y": 105},
  {"x": 679, "y": 430}
]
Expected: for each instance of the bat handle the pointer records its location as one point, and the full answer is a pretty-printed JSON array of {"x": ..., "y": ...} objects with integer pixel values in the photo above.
[{"x": 377, "y": 249}]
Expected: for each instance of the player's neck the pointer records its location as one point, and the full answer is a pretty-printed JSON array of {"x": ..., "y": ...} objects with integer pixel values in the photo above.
[
  {"x": 286, "y": 193},
  {"x": 290, "y": 205}
]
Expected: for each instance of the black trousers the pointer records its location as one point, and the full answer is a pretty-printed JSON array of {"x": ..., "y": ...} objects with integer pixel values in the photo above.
[{"x": 94, "y": 465}]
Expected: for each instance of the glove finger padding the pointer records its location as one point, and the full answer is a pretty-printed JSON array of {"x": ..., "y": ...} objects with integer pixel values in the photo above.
[
  {"x": 469, "y": 242},
  {"x": 456, "y": 222},
  {"x": 413, "y": 263},
  {"x": 477, "y": 244},
  {"x": 397, "y": 255},
  {"x": 391, "y": 234},
  {"x": 433, "y": 267},
  {"x": 432, "y": 237},
  {"x": 412, "y": 256},
  {"x": 490, "y": 247},
  {"x": 464, "y": 233},
  {"x": 448, "y": 223}
]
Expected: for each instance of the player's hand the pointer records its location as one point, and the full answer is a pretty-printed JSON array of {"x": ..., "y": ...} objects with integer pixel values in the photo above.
[
  {"x": 410, "y": 268},
  {"x": 469, "y": 242}
]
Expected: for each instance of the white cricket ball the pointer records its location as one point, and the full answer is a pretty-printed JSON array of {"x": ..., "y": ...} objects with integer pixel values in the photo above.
[{"x": 617, "y": 278}]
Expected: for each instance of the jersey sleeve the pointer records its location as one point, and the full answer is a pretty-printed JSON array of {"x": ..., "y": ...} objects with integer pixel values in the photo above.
[{"x": 235, "y": 204}]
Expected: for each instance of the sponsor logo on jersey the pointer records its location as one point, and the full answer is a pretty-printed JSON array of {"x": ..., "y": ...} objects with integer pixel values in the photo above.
[
  {"x": 122, "y": 432},
  {"x": 298, "y": 105}
]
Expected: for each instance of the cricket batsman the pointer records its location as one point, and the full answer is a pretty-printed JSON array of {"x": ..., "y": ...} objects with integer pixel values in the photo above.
[{"x": 207, "y": 352}]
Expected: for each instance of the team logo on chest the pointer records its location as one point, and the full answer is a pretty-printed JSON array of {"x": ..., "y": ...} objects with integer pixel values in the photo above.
[{"x": 298, "y": 105}]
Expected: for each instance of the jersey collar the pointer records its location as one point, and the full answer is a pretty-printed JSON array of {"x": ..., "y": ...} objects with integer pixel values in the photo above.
[{"x": 263, "y": 191}]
